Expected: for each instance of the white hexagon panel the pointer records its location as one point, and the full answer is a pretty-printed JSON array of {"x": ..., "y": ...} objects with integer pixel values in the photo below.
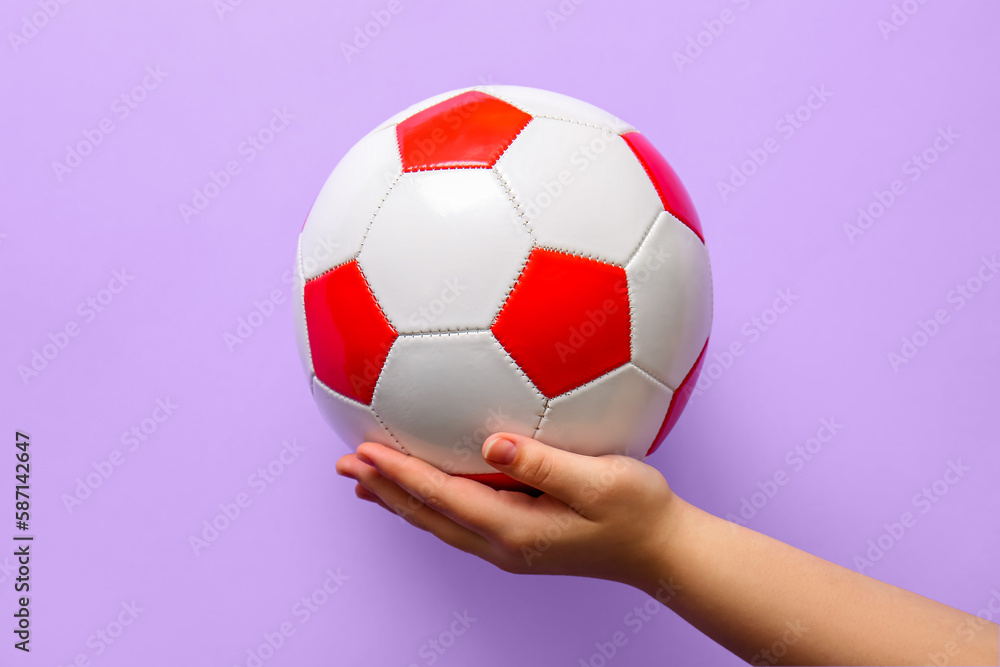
[
  {"x": 444, "y": 250},
  {"x": 503, "y": 259},
  {"x": 670, "y": 289},
  {"x": 620, "y": 412},
  {"x": 471, "y": 374},
  {"x": 581, "y": 190}
]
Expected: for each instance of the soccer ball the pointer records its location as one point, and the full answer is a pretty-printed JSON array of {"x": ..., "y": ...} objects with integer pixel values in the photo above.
[{"x": 502, "y": 258}]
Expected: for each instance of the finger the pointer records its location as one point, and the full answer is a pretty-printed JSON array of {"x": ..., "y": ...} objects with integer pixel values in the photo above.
[
  {"x": 349, "y": 465},
  {"x": 416, "y": 512},
  {"x": 554, "y": 471},
  {"x": 352, "y": 467},
  {"x": 364, "y": 494},
  {"x": 466, "y": 502}
]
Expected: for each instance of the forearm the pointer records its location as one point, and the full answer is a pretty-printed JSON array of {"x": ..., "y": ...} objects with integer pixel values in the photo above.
[{"x": 753, "y": 594}]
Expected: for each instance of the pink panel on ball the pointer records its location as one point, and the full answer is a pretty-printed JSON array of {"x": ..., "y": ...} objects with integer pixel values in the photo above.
[
  {"x": 679, "y": 400},
  {"x": 672, "y": 193}
]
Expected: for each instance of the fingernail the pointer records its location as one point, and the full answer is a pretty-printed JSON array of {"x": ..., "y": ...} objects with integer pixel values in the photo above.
[{"x": 501, "y": 451}]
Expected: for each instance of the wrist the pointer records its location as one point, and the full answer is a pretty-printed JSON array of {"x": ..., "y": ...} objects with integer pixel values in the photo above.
[{"x": 657, "y": 557}]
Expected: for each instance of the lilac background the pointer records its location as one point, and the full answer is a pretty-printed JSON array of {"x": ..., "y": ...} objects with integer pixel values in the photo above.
[{"x": 163, "y": 335}]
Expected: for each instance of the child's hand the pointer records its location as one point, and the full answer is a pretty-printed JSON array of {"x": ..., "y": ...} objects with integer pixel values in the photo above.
[
  {"x": 613, "y": 517},
  {"x": 606, "y": 517}
]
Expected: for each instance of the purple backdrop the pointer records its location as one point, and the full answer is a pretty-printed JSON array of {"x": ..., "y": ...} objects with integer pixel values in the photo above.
[{"x": 158, "y": 161}]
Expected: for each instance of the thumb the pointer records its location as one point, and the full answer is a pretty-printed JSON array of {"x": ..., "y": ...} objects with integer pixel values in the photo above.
[{"x": 549, "y": 469}]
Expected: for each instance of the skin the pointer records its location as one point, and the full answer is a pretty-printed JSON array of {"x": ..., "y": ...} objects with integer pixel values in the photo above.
[{"x": 763, "y": 600}]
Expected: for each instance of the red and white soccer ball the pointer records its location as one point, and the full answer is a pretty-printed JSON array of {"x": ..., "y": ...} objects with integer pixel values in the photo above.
[{"x": 502, "y": 258}]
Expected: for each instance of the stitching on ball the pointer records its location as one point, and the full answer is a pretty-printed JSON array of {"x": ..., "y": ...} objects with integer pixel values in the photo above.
[
  {"x": 513, "y": 200},
  {"x": 374, "y": 215},
  {"x": 645, "y": 237},
  {"x": 442, "y": 330},
  {"x": 654, "y": 377},
  {"x": 370, "y": 409},
  {"x": 375, "y": 299},
  {"x": 513, "y": 286},
  {"x": 516, "y": 367},
  {"x": 399, "y": 144},
  {"x": 586, "y": 255},
  {"x": 514, "y": 138},
  {"x": 378, "y": 418},
  {"x": 300, "y": 294},
  {"x": 603, "y": 128},
  {"x": 599, "y": 377},
  {"x": 445, "y": 332},
  {"x": 507, "y": 100},
  {"x": 413, "y": 170},
  {"x": 541, "y": 418},
  {"x": 330, "y": 270},
  {"x": 568, "y": 120},
  {"x": 631, "y": 318}
]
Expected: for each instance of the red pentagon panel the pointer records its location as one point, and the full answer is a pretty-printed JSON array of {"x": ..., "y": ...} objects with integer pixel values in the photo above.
[
  {"x": 471, "y": 130},
  {"x": 672, "y": 193},
  {"x": 349, "y": 336},
  {"x": 567, "y": 320},
  {"x": 678, "y": 401}
]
